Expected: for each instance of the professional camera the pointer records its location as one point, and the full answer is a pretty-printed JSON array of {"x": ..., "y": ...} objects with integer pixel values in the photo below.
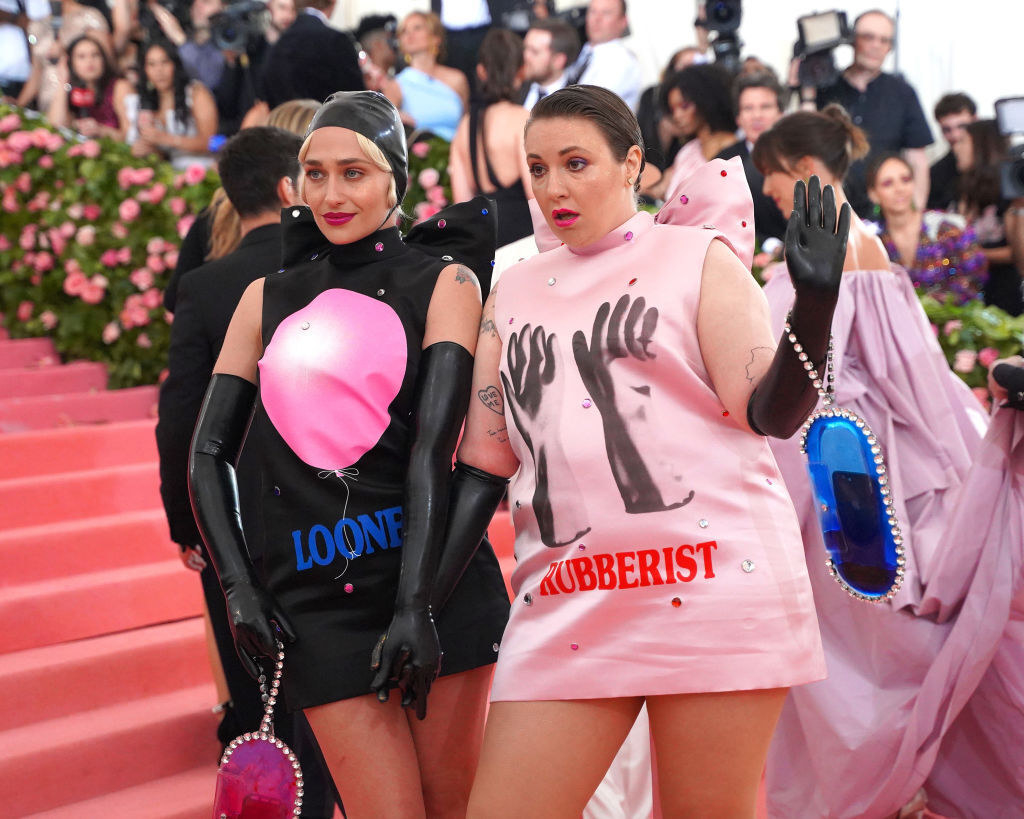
[
  {"x": 820, "y": 33},
  {"x": 181, "y": 9},
  {"x": 1010, "y": 116},
  {"x": 723, "y": 17},
  {"x": 235, "y": 28}
]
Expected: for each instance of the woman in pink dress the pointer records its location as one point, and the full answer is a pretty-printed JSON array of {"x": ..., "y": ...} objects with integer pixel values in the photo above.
[
  {"x": 861, "y": 743},
  {"x": 627, "y": 380}
]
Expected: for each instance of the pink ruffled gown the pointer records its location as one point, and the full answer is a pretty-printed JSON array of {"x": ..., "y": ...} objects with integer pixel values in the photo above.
[
  {"x": 658, "y": 551},
  {"x": 910, "y": 684}
]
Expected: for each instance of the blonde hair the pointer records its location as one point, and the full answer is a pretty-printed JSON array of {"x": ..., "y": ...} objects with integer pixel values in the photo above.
[
  {"x": 372, "y": 152},
  {"x": 434, "y": 24},
  {"x": 294, "y": 115}
]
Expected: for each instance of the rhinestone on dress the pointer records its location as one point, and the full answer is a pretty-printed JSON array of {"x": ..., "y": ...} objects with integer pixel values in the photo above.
[
  {"x": 528, "y": 599},
  {"x": 446, "y": 258},
  {"x": 551, "y": 281},
  {"x": 676, "y": 602},
  {"x": 583, "y": 547},
  {"x": 574, "y": 646},
  {"x": 632, "y": 281},
  {"x": 747, "y": 566},
  {"x": 441, "y": 223},
  {"x": 587, "y": 404},
  {"x": 703, "y": 523},
  {"x": 277, "y": 490},
  {"x": 495, "y": 647},
  {"x": 349, "y": 588},
  {"x": 725, "y": 173},
  {"x": 629, "y": 235},
  {"x": 305, "y": 325},
  {"x": 684, "y": 199},
  {"x": 484, "y": 211},
  {"x": 313, "y": 257},
  {"x": 380, "y": 292}
]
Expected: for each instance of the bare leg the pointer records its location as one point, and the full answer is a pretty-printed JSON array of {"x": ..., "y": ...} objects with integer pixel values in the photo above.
[
  {"x": 711, "y": 750},
  {"x": 448, "y": 741},
  {"x": 369, "y": 752},
  {"x": 545, "y": 759}
]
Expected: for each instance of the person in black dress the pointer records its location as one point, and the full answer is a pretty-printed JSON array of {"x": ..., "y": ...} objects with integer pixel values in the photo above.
[{"x": 362, "y": 347}]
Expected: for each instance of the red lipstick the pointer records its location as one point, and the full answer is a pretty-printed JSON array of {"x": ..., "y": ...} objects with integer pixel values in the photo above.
[
  {"x": 336, "y": 219},
  {"x": 564, "y": 217}
]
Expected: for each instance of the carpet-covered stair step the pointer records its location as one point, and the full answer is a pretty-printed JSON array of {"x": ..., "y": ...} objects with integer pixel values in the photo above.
[
  {"x": 187, "y": 795},
  {"x": 42, "y": 684},
  {"x": 74, "y": 495},
  {"x": 71, "y": 759},
  {"x": 74, "y": 449},
  {"x": 102, "y": 602},
  {"x": 27, "y": 352},
  {"x": 67, "y": 548},
  {"x": 103, "y": 407},
  {"x": 80, "y": 376}
]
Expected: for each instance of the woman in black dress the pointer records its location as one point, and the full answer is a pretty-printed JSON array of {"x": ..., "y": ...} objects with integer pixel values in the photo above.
[{"x": 362, "y": 351}]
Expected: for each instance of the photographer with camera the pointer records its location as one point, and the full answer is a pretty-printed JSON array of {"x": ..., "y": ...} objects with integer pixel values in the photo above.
[
  {"x": 241, "y": 35},
  {"x": 884, "y": 105},
  {"x": 202, "y": 59}
]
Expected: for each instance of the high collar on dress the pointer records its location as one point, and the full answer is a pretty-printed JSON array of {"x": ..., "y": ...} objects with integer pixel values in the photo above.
[
  {"x": 385, "y": 243},
  {"x": 626, "y": 233}
]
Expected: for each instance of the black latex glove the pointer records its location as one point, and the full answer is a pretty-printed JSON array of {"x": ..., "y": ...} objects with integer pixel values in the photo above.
[
  {"x": 474, "y": 497},
  {"x": 1011, "y": 378},
  {"x": 409, "y": 653},
  {"x": 255, "y": 618},
  {"x": 815, "y": 253}
]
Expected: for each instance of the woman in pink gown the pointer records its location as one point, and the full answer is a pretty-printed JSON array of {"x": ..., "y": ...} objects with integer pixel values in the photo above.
[
  {"x": 622, "y": 381},
  {"x": 861, "y": 743}
]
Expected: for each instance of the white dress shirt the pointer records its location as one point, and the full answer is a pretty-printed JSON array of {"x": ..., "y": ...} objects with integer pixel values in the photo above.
[
  {"x": 613, "y": 66},
  {"x": 538, "y": 91}
]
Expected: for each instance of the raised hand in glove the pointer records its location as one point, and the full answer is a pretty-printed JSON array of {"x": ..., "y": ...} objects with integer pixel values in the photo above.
[{"x": 816, "y": 243}]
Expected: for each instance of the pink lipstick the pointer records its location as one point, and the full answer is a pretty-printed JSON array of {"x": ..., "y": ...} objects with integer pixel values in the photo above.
[
  {"x": 564, "y": 217},
  {"x": 336, "y": 219}
]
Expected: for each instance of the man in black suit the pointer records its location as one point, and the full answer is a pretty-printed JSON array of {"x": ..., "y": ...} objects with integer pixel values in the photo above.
[
  {"x": 311, "y": 60},
  {"x": 758, "y": 101},
  {"x": 259, "y": 170}
]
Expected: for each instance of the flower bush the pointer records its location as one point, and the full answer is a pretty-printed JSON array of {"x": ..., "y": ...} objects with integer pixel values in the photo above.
[
  {"x": 89, "y": 236},
  {"x": 973, "y": 336},
  {"x": 430, "y": 187}
]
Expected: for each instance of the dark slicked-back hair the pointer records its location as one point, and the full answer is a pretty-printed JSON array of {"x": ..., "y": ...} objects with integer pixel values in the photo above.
[
  {"x": 605, "y": 109},
  {"x": 828, "y": 135},
  {"x": 501, "y": 55},
  {"x": 251, "y": 164}
]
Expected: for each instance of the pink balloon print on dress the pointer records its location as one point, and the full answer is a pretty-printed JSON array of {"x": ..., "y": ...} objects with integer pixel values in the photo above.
[{"x": 329, "y": 374}]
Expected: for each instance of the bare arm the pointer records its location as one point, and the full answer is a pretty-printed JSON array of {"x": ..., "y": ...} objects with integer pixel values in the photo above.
[
  {"x": 459, "y": 168},
  {"x": 243, "y": 343},
  {"x": 918, "y": 161}
]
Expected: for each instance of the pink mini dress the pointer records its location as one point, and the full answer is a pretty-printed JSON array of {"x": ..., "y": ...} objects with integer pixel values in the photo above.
[{"x": 658, "y": 551}]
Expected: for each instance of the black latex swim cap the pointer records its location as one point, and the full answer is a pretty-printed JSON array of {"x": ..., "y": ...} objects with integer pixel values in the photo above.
[{"x": 371, "y": 114}]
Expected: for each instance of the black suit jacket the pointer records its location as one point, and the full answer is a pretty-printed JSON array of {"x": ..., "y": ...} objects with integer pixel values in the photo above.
[
  {"x": 768, "y": 221},
  {"x": 311, "y": 60},
  {"x": 207, "y": 297}
]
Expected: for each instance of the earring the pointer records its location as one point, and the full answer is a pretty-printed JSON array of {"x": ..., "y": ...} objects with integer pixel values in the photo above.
[{"x": 629, "y": 182}]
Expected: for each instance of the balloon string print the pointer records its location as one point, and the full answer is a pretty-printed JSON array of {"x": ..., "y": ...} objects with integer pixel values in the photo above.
[{"x": 353, "y": 474}]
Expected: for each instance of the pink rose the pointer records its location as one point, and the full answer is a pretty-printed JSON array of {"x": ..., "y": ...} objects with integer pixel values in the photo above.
[
  {"x": 109, "y": 258},
  {"x": 981, "y": 393},
  {"x": 36, "y": 279},
  {"x": 155, "y": 245},
  {"x": 951, "y": 325},
  {"x": 10, "y": 201},
  {"x": 142, "y": 278},
  {"x": 428, "y": 178},
  {"x": 424, "y": 210},
  {"x": 48, "y": 319},
  {"x": 27, "y": 240},
  {"x": 19, "y": 141},
  {"x": 184, "y": 223},
  {"x": 57, "y": 243},
  {"x": 119, "y": 230},
  {"x": 99, "y": 280},
  {"x": 171, "y": 257},
  {"x": 935, "y": 329},
  {"x": 92, "y": 212},
  {"x": 987, "y": 355},
  {"x": 155, "y": 263},
  {"x": 111, "y": 333},
  {"x": 124, "y": 178},
  {"x": 8, "y": 157},
  {"x": 92, "y": 294},
  {"x": 179, "y": 181},
  {"x": 143, "y": 341},
  {"x": 168, "y": 316},
  {"x": 156, "y": 193},
  {"x": 40, "y": 137},
  {"x": 5, "y": 243},
  {"x": 163, "y": 375},
  {"x": 74, "y": 283},
  {"x": 152, "y": 298},
  {"x": 177, "y": 205},
  {"x": 25, "y": 311},
  {"x": 194, "y": 174},
  {"x": 72, "y": 266},
  {"x": 46, "y": 161},
  {"x": 24, "y": 182},
  {"x": 43, "y": 262},
  {"x": 67, "y": 230},
  {"x": 436, "y": 196},
  {"x": 124, "y": 255},
  {"x": 129, "y": 210},
  {"x": 964, "y": 361},
  {"x": 53, "y": 141},
  {"x": 86, "y": 235},
  {"x": 421, "y": 149},
  {"x": 75, "y": 211},
  {"x": 9, "y": 123},
  {"x": 91, "y": 149}
]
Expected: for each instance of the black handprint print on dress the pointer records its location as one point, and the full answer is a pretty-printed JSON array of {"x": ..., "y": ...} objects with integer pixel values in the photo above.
[
  {"x": 647, "y": 481},
  {"x": 534, "y": 396}
]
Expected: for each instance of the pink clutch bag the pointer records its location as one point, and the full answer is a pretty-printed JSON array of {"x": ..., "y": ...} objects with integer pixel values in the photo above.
[{"x": 259, "y": 776}]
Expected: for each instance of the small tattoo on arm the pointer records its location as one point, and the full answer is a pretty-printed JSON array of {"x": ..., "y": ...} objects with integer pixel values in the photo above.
[
  {"x": 491, "y": 398},
  {"x": 500, "y": 435},
  {"x": 463, "y": 274},
  {"x": 487, "y": 326},
  {"x": 753, "y": 355}
]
